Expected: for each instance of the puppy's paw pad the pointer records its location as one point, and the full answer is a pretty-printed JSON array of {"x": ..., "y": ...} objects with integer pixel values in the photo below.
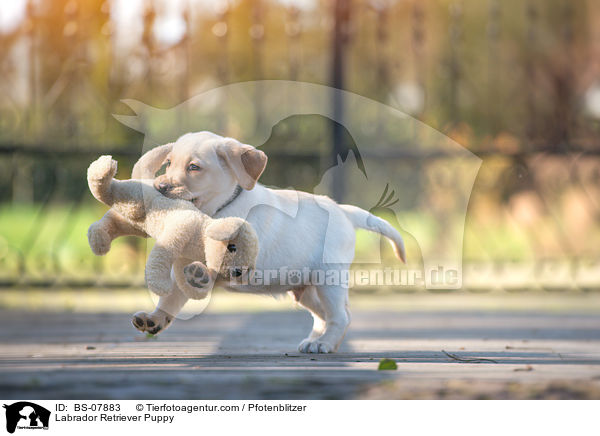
[
  {"x": 139, "y": 323},
  {"x": 154, "y": 330},
  {"x": 151, "y": 323},
  {"x": 315, "y": 347},
  {"x": 196, "y": 274}
]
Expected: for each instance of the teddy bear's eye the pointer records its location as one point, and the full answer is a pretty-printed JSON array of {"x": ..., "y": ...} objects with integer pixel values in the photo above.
[{"x": 231, "y": 248}]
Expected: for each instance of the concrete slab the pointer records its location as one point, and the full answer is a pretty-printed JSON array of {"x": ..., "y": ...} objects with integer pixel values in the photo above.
[{"x": 535, "y": 354}]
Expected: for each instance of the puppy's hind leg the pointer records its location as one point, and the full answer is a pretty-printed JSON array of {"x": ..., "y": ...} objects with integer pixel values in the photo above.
[
  {"x": 334, "y": 304},
  {"x": 309, "y": 299}
]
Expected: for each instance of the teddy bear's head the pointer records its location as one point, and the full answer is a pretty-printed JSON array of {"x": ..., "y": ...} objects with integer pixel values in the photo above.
[{"x": 231, "y": 247}]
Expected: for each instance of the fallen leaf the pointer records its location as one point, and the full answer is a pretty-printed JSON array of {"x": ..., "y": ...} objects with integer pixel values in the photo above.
[{"x": 387, "y": 364}]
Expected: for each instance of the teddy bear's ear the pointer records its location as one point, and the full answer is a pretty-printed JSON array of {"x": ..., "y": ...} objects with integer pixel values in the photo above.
[
  {"x": 246, "y": 162},
  {"x": 224, "y": 229}
]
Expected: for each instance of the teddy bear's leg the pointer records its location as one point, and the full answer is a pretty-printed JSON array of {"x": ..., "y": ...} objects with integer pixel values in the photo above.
[
  {"x": 193, "y": 278},
  {"x": 158, "y": 268},
  {"x": 162, "y": 317},
  {"x": 109, "y": 227}
]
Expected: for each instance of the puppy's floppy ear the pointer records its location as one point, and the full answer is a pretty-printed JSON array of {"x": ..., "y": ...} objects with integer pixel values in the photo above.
[
  {"x": 150, "y": 162},
  {"x": 224, "y": 229},
  {"x": 246, "y": 162}
]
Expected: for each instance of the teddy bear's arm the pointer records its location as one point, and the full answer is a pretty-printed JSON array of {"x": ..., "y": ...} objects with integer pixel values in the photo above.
[
  {"x": 100, "y": 174},
  {"x": 127, "y": 196},
  {"x": 109, "y": 227}
]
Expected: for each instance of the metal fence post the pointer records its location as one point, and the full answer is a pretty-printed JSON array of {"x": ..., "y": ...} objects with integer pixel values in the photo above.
[{"x": 341, "y": 20}]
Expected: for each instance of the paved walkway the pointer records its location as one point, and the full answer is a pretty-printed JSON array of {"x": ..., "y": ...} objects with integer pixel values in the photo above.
[{"x": 252, "y": 355}]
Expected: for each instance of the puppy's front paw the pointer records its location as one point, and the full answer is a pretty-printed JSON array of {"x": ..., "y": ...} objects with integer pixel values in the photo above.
[
  {"x": 315, "y": 347},
  {"x": 152, "y": 323},
  {"x": 198, "y": 277},
  {"x": 99, "y": 240}
]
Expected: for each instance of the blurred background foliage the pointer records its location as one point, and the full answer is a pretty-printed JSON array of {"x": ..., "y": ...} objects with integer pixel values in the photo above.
[{"x": 517, "y": 82}]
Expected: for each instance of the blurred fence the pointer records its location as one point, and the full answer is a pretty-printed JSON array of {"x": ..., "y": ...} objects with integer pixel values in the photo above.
[
  {"x": 544, "y": 237},
  {"x": 517, "y": 83}
]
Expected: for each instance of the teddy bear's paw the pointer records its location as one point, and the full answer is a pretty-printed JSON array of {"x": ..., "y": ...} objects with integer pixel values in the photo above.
[
  {"x": 99, "y": 240},
  {"x": 197, "y": 281},
  {"x": 103, "y": 167},
  {"x": 197, "y": 275},
  {"x": 152, "y": 323},
  {"x": 315, "y": 347}
]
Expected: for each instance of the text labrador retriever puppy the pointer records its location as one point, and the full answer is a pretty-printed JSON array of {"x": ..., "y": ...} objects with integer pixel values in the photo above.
[{"x": 297, "y": 231}]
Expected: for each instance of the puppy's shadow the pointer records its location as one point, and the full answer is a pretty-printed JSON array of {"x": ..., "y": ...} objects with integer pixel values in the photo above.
[{"x": 271, "y": 338}]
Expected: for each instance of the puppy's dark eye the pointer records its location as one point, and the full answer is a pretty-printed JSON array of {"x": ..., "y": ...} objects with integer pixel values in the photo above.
[
  {"x": 193, "y": 167},
  {"x": 231, "y": 248},
  {"x": 168, "y": 163}
]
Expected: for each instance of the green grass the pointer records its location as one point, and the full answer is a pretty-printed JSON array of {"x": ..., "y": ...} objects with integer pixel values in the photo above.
[
  {"x": 39, "y": 243},
  {"x": 62, "y": 229},
  {"x": 53, "y": 240}
]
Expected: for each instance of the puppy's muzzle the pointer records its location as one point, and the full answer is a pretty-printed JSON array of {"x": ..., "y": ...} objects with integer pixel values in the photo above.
[{"x": 163, "y": 188}]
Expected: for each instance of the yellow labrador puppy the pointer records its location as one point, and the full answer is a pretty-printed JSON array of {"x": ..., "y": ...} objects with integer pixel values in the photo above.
[{"x": 306, "y": 241}]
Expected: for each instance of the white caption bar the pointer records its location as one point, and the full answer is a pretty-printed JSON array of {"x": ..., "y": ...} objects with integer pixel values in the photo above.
[{"x": 26, "y": 417}]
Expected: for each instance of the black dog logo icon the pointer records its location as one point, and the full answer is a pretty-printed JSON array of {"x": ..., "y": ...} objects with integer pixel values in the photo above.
[{"x": 28, "y": 415}]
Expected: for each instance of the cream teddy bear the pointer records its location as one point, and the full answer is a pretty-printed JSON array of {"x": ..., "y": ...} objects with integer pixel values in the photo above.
[{"x": 198, "y": 247}]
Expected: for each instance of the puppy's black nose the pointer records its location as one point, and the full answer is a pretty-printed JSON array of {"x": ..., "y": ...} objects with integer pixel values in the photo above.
[
  {"x": 163, "y": 187},
  {"x": 237, "y": 272}
]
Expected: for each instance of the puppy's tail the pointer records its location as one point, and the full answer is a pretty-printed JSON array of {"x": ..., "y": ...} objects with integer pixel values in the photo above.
[
  {"x": 362, "y": 219},
  {"x": 100, "y": 176}
]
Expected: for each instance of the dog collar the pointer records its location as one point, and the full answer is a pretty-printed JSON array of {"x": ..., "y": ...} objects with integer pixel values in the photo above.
[{"x": 236, "y": 193}]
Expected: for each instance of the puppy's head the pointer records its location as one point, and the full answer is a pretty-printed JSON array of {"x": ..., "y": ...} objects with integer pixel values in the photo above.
[{"x": 203, "y": 166}]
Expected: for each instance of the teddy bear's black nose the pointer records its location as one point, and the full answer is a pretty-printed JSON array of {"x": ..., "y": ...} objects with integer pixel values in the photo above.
[
  {"x": 237, "y": 272},
  {"x": 231, "y": 248}
]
